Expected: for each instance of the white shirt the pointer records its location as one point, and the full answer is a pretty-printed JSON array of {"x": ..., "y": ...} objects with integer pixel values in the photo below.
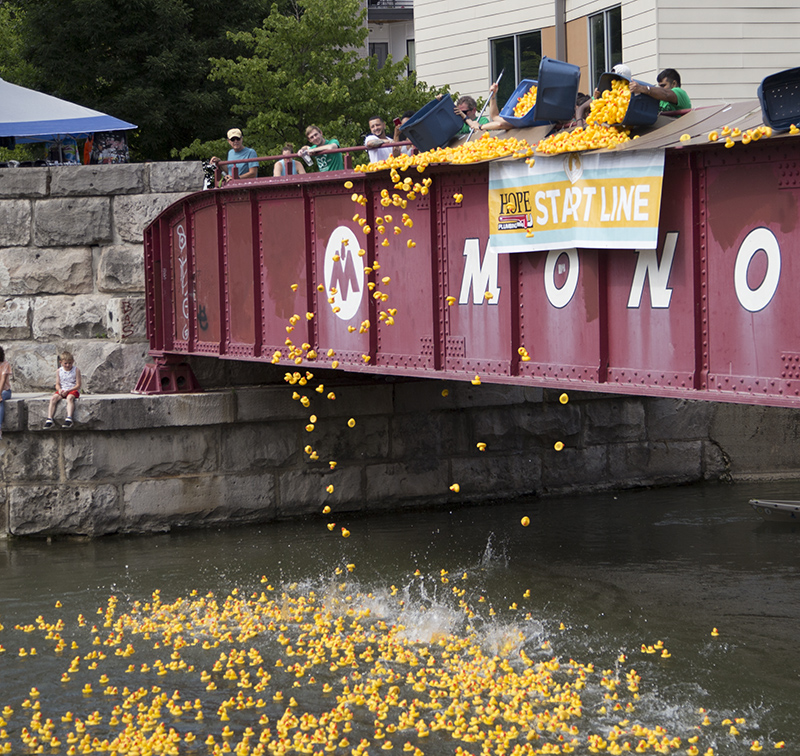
[{"x": 379, "y": 153}]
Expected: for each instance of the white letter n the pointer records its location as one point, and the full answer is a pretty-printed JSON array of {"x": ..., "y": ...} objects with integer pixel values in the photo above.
[{"x": 647, "y": 263}]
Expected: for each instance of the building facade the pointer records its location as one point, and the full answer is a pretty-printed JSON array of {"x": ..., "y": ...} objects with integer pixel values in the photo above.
[
  {"x": 391, "y": 30},
  {"x": 722, "y": 48}
]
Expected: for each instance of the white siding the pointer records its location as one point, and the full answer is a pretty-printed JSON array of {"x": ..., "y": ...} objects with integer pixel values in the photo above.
[
  {"x": 639, "y": 40},
  {"x": 578, "y": 8},
  {"x": 722, "y": 48},
  {"x": 452, "y": 37}
]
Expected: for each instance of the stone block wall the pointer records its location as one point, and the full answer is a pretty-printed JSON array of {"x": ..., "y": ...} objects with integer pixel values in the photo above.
[
  {"x": 137, "y": 464},
  {"x": 71, "y": 267}
]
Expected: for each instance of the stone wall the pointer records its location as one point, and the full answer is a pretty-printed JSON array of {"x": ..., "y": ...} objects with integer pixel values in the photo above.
[
  {"x": 71, "y": 272},
  {"x": 150, "y": 463}
]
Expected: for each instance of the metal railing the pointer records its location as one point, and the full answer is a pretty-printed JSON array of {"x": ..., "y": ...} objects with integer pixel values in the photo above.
[
  {"x": 348, "y": 162},
  {"x": 405, "y": 4}
]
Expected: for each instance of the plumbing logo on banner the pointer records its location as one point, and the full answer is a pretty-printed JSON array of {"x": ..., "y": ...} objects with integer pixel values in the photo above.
[{"x": 591, "y": 201}]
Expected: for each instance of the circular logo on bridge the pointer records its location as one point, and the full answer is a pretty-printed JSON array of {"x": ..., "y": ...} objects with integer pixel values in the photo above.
[{"x": 344, "y": 272}]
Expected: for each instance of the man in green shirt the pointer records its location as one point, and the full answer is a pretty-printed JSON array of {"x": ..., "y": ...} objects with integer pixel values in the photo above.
[
  {"x": 321, "y": 151},
  {"x": 668, "y": 92},
  {"x": 467, "y": 109}
]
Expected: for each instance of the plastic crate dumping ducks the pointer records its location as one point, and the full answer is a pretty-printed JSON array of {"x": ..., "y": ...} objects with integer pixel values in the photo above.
[{"x": 603, "y": 125}]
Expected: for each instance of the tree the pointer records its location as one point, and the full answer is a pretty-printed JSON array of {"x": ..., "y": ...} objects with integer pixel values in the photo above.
[
  {"x": 306, "y": 65},
  {"x": 13, "y": 67},
  {"x": 145, "y": 61}
]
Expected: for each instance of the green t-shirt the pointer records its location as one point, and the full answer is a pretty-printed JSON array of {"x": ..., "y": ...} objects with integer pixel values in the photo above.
[
  {"x": 327, "y": 161},
  {"x": 466, "y": 129},
  {"x": 684, "y": 103}
]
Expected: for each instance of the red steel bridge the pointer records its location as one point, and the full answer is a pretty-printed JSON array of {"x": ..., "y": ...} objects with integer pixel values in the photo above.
[{"x": 247, "y": 272}]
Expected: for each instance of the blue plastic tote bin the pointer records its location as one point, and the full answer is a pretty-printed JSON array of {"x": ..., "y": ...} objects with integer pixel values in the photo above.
[
  {"x": 529, "y": 119},
  {"x": 642, "y": 109},
  {"x": 779, "y": 95},
  {"x": 434, "y": 125},
  {"x": 558, "y": 89}
]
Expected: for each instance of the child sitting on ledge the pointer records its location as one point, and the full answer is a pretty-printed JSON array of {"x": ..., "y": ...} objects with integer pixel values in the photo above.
[{"x": 68, "y": 385}]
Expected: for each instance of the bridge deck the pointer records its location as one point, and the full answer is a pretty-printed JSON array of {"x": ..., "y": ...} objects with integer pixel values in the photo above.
[{"x": 246, "y": 272}]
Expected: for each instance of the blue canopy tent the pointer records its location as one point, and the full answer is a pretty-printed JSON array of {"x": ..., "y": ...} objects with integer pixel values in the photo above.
[{"x": 30, "y": 116}]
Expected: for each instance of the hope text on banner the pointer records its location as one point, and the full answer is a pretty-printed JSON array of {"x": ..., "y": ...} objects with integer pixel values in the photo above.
[{"x": 606, "y": 200}]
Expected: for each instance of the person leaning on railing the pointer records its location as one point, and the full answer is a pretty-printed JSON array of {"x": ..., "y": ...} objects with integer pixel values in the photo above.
[
  {"x": 319, "y": 149},
  {"x": 237, "y": 151}
]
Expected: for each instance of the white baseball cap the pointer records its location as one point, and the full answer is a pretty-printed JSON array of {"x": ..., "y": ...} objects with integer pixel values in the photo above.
[{"x": 622, "y": 70}]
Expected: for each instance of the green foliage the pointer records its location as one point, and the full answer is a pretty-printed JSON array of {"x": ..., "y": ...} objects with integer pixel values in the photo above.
[
  {"x": 21, "y": 152},
  {"x": 13, "y": 67},
  {"x": 305, "y": 65},
  {"x": 145, "y": 61}
]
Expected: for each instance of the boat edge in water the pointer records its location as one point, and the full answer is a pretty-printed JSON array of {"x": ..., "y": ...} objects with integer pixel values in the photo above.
[{"x": 777, "y": 511}]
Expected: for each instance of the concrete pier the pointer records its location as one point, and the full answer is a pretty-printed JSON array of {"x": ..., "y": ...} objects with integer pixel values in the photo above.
[{"x": 139, "y": 464}]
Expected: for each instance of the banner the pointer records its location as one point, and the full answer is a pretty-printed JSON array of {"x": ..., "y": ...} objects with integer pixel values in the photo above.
[{"x": 600, "y": 200}]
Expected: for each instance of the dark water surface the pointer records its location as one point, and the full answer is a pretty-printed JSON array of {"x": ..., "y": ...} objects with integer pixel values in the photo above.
[{"x": 606, "y": 574}]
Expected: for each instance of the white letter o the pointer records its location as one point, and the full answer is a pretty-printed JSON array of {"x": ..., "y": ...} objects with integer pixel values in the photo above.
[
  {"x": 757, "y": 299},
  {"x": 561, "y": 297}
]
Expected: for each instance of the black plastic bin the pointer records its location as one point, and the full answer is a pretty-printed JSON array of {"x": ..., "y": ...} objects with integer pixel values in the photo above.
[{"x": 779, "y": 95}]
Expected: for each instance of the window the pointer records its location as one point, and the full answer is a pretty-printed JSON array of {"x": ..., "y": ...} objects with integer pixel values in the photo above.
[
  {"x": 380, "y": 50},
  {"x": 605, "y": 42},
  {"x": 411, "y": 53},
  {"x": 519, "y": 56}
]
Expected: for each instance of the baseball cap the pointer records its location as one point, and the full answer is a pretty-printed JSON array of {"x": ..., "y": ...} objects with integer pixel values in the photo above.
[
  {"x": 620, "y": 70},
  {"x": 235, "y": 133}
]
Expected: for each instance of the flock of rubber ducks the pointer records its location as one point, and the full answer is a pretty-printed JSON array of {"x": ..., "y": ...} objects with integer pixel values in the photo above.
[
  {"x": 302, "y": 353},
  {"x": 325, "y": 670}
]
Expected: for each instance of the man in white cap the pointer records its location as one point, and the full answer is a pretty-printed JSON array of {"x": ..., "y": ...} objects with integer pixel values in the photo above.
[
  {"x": 238, "y": 150},
  {"x": 622, "y": 70}
]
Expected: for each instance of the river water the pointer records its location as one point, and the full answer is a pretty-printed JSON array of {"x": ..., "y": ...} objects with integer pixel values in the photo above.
[{"x": 535, "y": 639}]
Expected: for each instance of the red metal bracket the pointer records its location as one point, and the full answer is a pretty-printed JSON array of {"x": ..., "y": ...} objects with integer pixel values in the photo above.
[{"x": 169, "y": 374}]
